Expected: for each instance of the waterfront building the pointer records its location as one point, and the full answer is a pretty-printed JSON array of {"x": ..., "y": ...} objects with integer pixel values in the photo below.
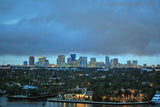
[
  {"x": 83, "y": 62},
  {"x": 61, "y": 61},
  {"x": 31, "y": 60}
]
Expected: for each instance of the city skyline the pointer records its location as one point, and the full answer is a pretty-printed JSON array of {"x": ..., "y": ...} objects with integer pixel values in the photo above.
[
  {"x": 119, "y": 29},
  {"x": 100, "y": 58}
]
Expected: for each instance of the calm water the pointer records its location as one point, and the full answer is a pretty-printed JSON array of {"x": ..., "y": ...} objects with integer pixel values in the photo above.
[{"x": 5, "y": 103}]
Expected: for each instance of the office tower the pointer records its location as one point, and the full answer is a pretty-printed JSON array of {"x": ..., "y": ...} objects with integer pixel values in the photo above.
[
  {"x": 128, "y": 63},
  {"x": 42, "y": 59},
  {"x": 92, "y": 63},
  {"x": 31, "y": 60},
  {"x": 93, "y": 59},
  {"x": 69, "y": 61},
  {"x": 83, "y": 62},
  {"x": 75, "y": 63},
  {"x": 42, "y": 62},
  {"x": 114, "y": 62},
  {"x": 25, "y": 63},
  {"x": 47, "y": 63},
  {"x": 72, "y": 62},
  {"x": 61, "y": 61},
  {"x": 134, "y": 62},
  {"x": 100, "y": 65},
  {"x": 107, "y": 61},
  {"x": 73, "y": 57}
]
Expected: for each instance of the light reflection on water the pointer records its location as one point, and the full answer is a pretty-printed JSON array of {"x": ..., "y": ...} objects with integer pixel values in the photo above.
[
  {"x": 56, "y": 104},
  {"x": 5, "y": 103}
]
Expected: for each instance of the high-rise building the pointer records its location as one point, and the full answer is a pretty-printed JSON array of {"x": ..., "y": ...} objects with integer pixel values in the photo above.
[
  {"x": 92, "y": 63},
  {"x": 61, "y": 61},
  {"x": 100, "y": 65},
  {"x": 114, "y": 62},
  {"x": 128, "y": 63},
  {"x": 93, "y": 59},
  {"x": 107, "y": 61},
  {"x": 25, "y": 63},
  {"x": 72, "y": 62},
  {"x": 69, "y": 61},
  {"x": 42, "y": 62},
  {"x": 83, "y": 62},
  {"x": 73, "y": 57},
  {"x": 42, "y": 59},
  {"x": 134, "y": 62},
  {"x": 31, "y": 60}
]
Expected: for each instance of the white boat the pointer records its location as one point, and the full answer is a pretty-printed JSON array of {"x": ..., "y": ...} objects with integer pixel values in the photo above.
[{"x": 156, "y": 98}]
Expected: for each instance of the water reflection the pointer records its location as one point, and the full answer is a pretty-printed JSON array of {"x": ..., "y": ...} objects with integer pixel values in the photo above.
[
  {"x": 57, "y": 104},
  {"x": 24, "y": 103}
]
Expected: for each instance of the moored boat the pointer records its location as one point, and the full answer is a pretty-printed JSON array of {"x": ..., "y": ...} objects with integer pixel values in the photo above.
[
  {"x": 25, "y": 97},
  {"x": 156, "y": 98}
]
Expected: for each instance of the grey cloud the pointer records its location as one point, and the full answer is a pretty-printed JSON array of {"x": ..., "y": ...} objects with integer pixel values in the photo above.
[{"x": 53, "y": 27}]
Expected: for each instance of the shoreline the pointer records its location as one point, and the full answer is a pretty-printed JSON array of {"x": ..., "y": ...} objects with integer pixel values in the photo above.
[{"x": 95, "y": 102}]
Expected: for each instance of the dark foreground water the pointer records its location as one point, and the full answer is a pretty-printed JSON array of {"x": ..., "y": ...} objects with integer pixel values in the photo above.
[{"x": 4, "y": 102}]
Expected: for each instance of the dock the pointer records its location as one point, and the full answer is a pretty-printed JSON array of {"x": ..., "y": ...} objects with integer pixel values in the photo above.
[{"x": 95, "y": 102}]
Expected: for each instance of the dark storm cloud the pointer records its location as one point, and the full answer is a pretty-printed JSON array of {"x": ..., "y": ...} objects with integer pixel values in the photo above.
[{"x": 82, "y": 26}]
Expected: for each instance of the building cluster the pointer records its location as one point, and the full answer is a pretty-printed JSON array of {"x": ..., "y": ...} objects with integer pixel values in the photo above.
[
  {"x": 82, "y": 62},
  {"x": 80, "y": 94},
  {"x": 126, "y": 95}
]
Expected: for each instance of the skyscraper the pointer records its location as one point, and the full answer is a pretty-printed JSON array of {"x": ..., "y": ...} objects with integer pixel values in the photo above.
[
  {"x": 83, "y": 62},
  {"x": 107, "y": 61},
  {"x": 31, "y": 60},
  {"x": 114, "y": 62},
  {"x": 69, "y": 62},
  {"x": 129, "y": 63},
  {"x": 134, "y": 62},
  {"x": 92, "y": 62},
  {"x": 42, "y": 59},
  {"x": 73, "y": 57},
  {"x": 93, "y": 59},
  {"x": 100, "y": 65},
  {"x": 61, "y": 61},
  {"x": 42, "y": 62}
]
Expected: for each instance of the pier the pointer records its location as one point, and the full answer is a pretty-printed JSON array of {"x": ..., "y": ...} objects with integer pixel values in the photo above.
[{"x": 95, "y": 102}]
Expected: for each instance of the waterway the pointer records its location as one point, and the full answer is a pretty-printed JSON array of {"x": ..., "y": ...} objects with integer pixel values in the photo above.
[{"x": 4, "y": 102}]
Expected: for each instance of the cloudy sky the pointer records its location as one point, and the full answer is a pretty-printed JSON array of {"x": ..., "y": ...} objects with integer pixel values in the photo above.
[{"x": 126, "y": 29}]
